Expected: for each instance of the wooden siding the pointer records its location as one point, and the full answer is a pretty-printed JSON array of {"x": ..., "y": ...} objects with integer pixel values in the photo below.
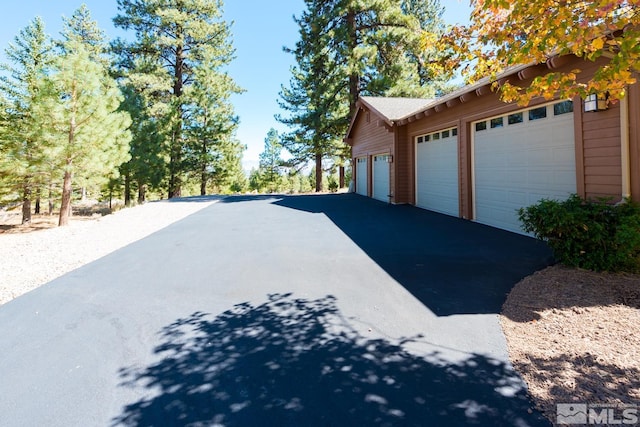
[
  {"x": 370, "y": 139},
  {"x": 404, "y": 170},
  {"x": 634, "y": 140},
  {"x": 602, "y": 153}
]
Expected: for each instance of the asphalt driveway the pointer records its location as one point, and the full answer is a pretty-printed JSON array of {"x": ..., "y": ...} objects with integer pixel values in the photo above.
[{"x": 286, "y": 311}]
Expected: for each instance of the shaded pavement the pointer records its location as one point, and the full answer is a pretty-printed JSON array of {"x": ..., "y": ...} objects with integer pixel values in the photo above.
[{"x": 285, "y": 311}]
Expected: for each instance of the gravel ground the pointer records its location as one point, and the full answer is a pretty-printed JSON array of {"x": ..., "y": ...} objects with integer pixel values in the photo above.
[
  {"x": 574, "y": 337},
  {"x": 28, "y": 260}
]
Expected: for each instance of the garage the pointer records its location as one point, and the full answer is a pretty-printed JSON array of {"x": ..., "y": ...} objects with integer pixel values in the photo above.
[
  {"x": 437, "y": 186},
  {"x": 361, "y": 176},
  {"x": 381, "y": 185},
  {"x": 520, "y": 158}
]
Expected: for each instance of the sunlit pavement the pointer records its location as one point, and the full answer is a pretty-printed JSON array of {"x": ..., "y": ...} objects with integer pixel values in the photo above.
[{"x": 324, "y": 310}]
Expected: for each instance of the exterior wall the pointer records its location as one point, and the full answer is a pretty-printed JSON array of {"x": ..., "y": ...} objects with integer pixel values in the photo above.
[
  {"x": 404, "y": 170},
  {"x": 461, "y": 116},
  {"x": 370, "y": 139},
  {"x": 634, "y": 141},
  {"x": 598, "y": 140},
  {"x": 601, "y": 144},
  {"x": 598, "y": 147}
]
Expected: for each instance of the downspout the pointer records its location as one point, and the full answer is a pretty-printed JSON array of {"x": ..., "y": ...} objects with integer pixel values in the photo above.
[{"x": 624, "y": 136}]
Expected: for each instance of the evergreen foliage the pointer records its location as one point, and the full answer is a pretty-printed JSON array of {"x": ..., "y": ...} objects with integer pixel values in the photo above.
[
  {"x": 595, "y": 235},
  {"x": 87, "y": 134},
  {"x": 176, "y": 64},
  {"x": 24, "y": 167},
  {"x": 270, "y": 161},
  {"x": 349, "y": 48}
]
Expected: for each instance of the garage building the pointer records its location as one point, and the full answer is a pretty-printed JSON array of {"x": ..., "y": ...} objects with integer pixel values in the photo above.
[{"x": 470, "y": 155}]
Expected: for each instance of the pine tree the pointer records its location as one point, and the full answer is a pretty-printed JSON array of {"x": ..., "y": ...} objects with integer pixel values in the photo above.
[
  {"x": 82, "y": 30},
  {"x": 210, "y": 150},
  {"x": 348, "y": 48},
  {"x": 146, "y": 168},
  {"x": 23, "y": 166},
  {"x": 88, "y": 134},
  {"x": 226, "y": 167},
  {"x": 270, "y": 161},
  {"x": 174, "y": 40}
]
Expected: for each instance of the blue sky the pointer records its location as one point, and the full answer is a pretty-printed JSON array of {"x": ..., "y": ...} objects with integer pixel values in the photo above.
[{"x": 260, "y": 30}]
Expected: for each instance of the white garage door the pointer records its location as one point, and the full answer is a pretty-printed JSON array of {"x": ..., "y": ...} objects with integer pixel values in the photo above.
[
  {"x": 437, "y": 172},
  {"x": 381, "y": 177},
  {"x": 521, "y": 158},
  {"x": 361, "y": 176}
]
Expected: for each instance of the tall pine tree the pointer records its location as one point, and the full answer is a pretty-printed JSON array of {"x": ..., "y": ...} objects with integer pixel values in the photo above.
[
  {"x": 210, "y": 148},
  {"x": 173, "y": 40},
  {"x": 23, "y": 164},
  {"x": 88, "y": 134},
  {"x": 348, "y": 48},
  {"x": 270, "y": 161}
]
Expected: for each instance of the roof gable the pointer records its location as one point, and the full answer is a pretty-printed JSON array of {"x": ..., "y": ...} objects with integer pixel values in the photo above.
[
  {"x": 392, "y": 109},
  {"x": 388, "y": 109}
]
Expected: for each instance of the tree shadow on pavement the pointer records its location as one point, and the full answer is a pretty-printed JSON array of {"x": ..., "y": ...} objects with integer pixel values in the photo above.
[
  {"x": 452, "y": 266},
  {"x": 295, "y": 362}
]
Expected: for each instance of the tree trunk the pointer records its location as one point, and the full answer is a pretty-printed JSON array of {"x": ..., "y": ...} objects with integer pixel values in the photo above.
[
  {"x": 65, "y": 207},
  {"x": 127, "y": 189},
  {"x": 203, "y": 170},
  {"x": 38, "y": 197},
  {"x": 26, "y": 202},
  {"x": 203, "y": 166},
  {"x": 354, "y": 78},
  {"x": 142, "y": 193},
  {"x": 203, "y": 184},
  {"x": 83, "y": 191},
  {"x": 341, "y": 172},
  {"x": 175, "y": 184},
  {"x": 318, "y": 173},
  {"x": 50, "y": 198}
]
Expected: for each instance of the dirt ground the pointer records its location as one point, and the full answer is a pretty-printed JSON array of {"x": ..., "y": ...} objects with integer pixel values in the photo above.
[
  {"x": 10, "y": 221},
  {"x": 574, "y": 337}
]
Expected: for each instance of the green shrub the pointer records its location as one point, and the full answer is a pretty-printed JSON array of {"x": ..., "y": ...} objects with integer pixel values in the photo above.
[
  {"x": 594, "y": 235},
  {"x": 333, "y": 184}
]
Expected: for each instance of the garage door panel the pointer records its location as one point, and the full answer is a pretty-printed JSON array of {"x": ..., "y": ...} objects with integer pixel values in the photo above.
[
  {"x": 564, "y": 155},
  {"x": 540, "y": 156},
  {"x": 381, "y": 185},
  {"x": 519, "y": 198},
  {"x": 517, "y": 165},
  {"x": 490, "y": 196},
  {"x": 437, "y": 175},
  {"x": 515, "y": 177},
  {"x": 515, "y": 159},
  {"x": 361, "y": 176}
]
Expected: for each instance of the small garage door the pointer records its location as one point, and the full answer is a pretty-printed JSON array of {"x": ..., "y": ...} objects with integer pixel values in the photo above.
[
  {"x": 521, "y": 158},
  {"x": 361, "y": 176},
  {"x": 437, "y": 172},
  {"x": 381, "y": 177}
]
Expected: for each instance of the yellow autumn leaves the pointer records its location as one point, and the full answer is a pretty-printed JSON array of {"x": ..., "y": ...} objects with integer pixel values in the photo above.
[{"x": 504, "y": 33}]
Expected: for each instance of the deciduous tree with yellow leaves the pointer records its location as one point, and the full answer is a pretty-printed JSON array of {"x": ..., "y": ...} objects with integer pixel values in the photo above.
[{"x": 504, "y": 33}]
